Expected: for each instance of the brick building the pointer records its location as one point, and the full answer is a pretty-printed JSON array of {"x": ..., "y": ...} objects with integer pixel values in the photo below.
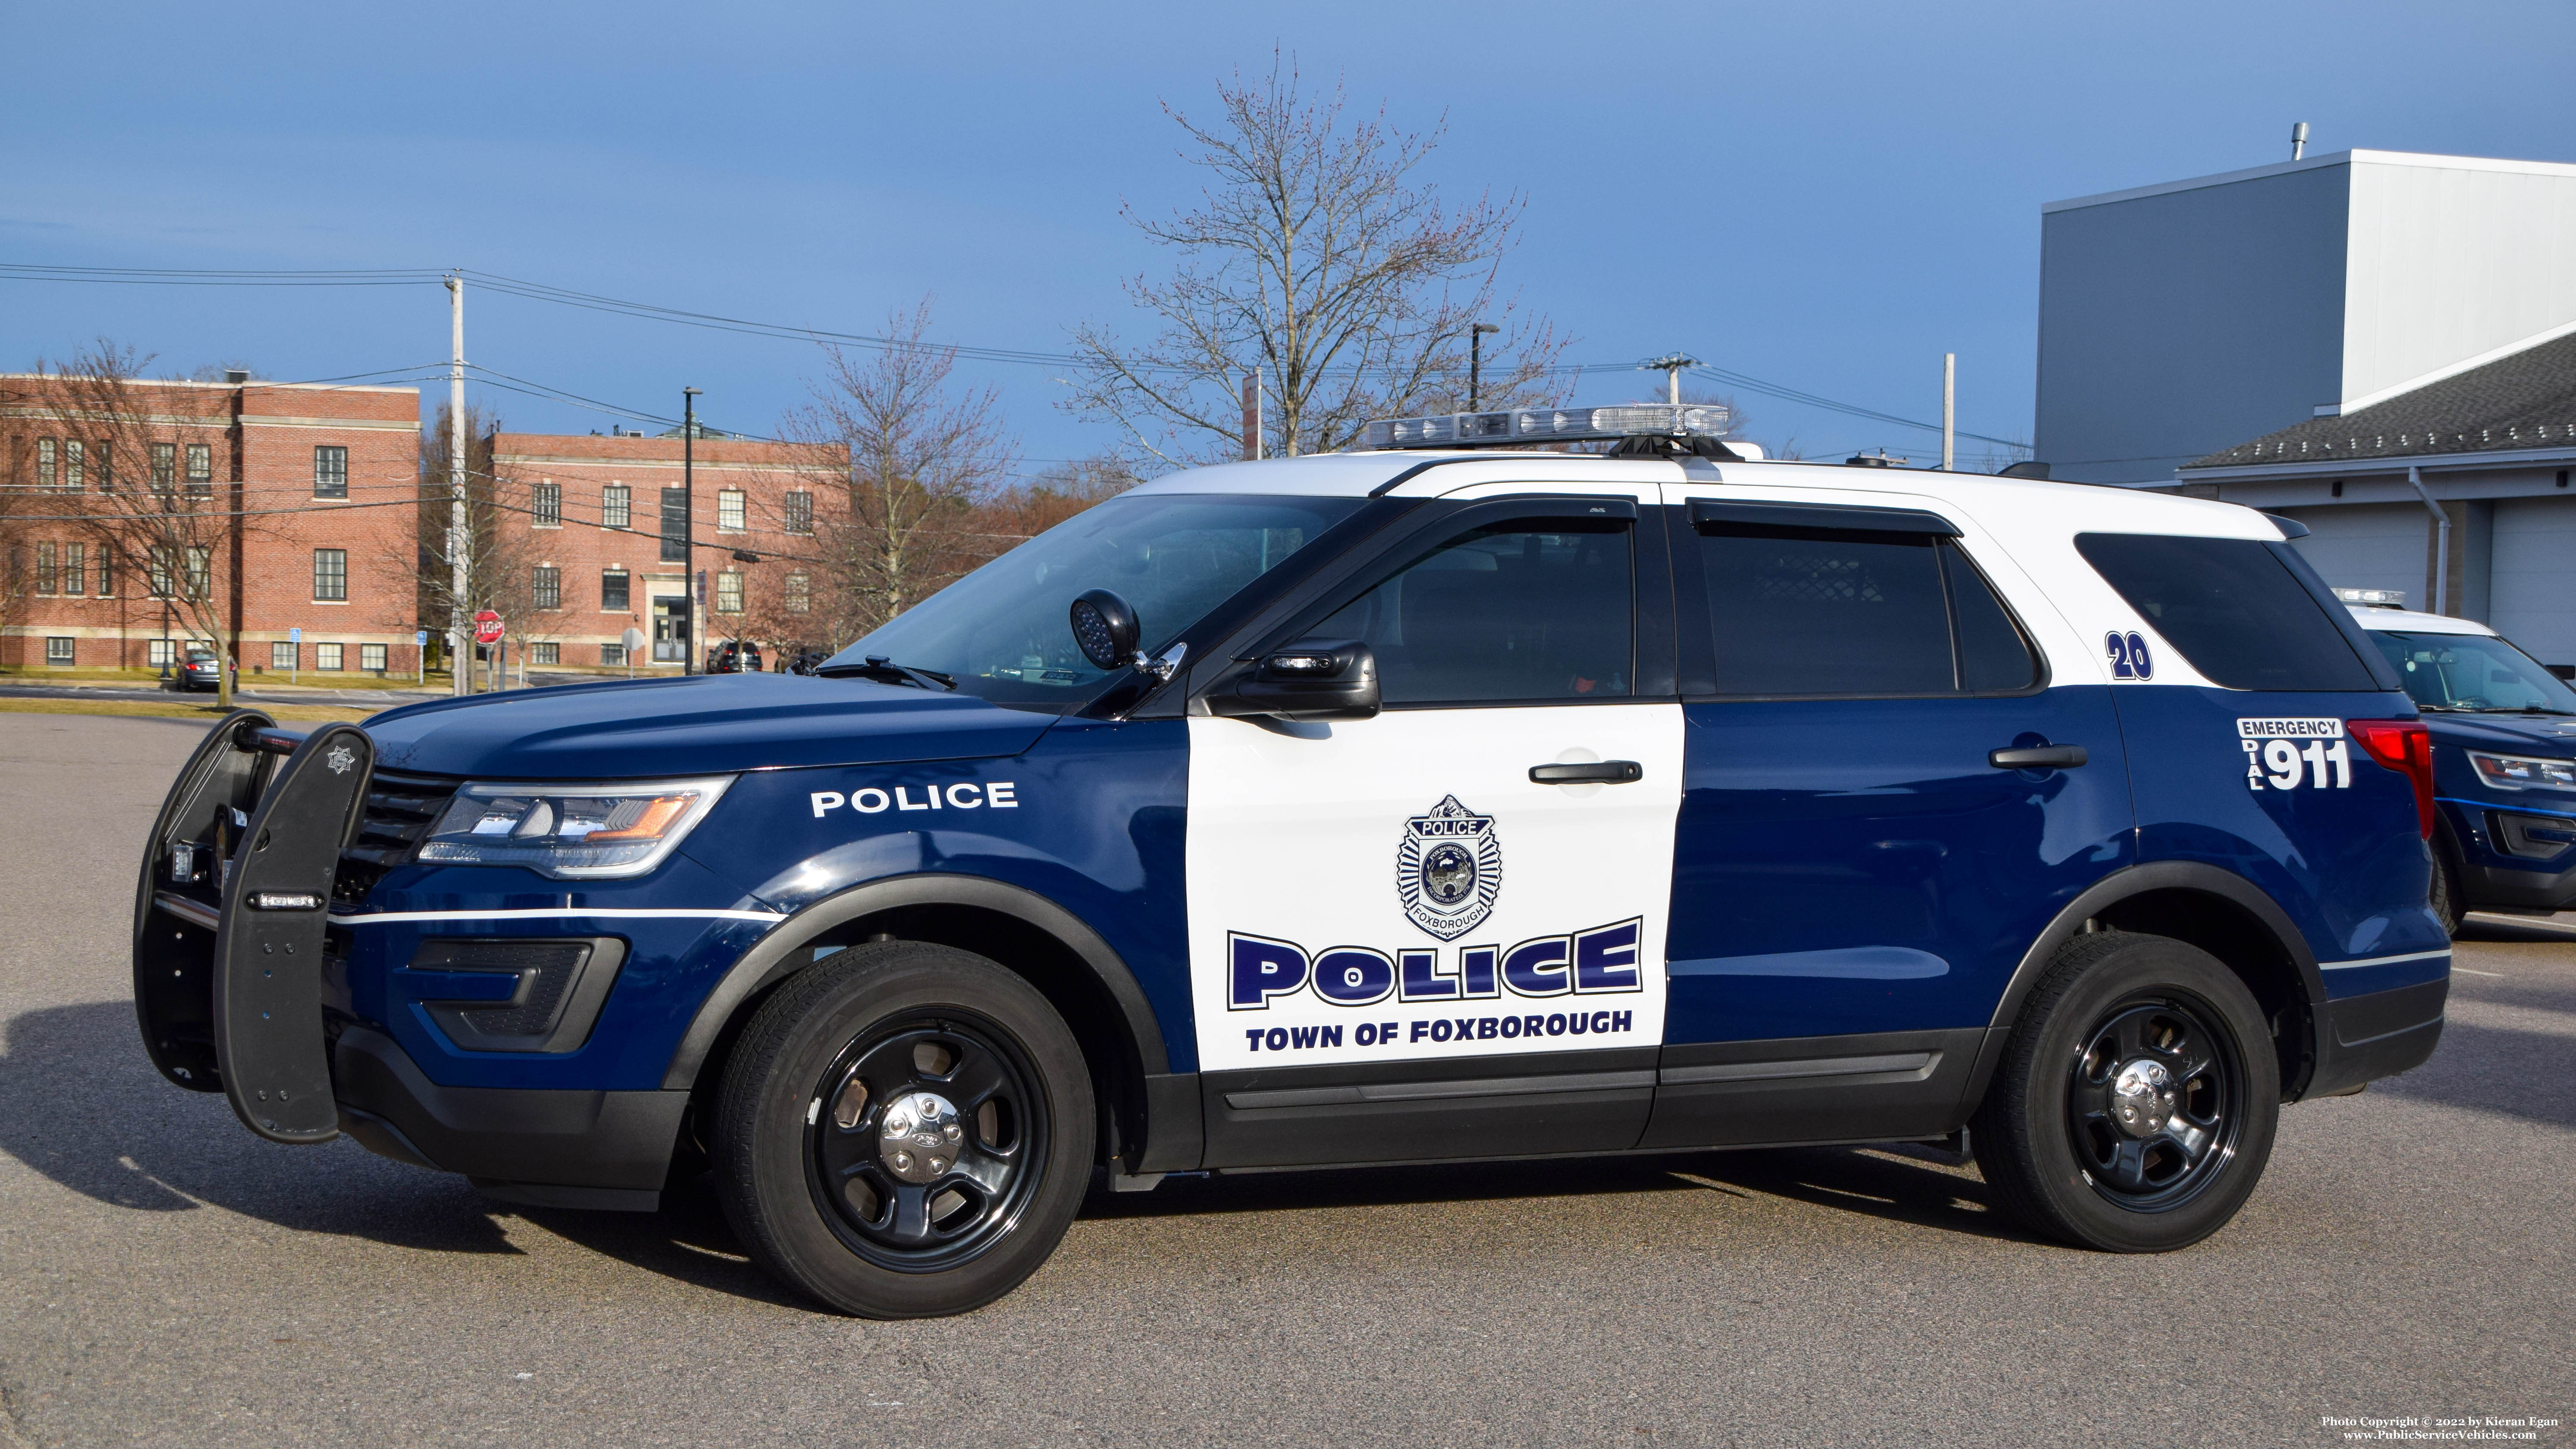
[
  {"x": 595, "y": 527},
  {"x": 298, "y": 501}
]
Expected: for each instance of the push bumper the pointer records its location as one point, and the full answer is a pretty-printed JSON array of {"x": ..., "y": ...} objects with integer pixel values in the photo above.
[
  {"x": 546, "y": 1148},
  {"x": 2376, "y": 1035}
]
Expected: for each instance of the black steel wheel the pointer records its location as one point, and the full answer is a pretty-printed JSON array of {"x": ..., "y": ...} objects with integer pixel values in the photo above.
[
  {"x": 925, "y": 1140},
  {"x": 903, "y": 1130},
  {"x": 2153, "y": 1103},
  {"x": 2135, "y": 1104}
]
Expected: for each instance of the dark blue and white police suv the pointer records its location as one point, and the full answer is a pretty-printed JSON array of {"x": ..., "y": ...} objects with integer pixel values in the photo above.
[
  {"x": 1387, "y": 806},
  {"x": 2504, "y": 760}
]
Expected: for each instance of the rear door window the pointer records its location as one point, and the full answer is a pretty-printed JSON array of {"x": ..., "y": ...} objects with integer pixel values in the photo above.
[
  {"x": 2232, "y": 608},
  {"x": 1827, "y": 611}
]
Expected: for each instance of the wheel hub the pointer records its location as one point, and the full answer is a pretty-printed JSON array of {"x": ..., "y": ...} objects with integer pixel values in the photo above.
[
  {"x": 920, "y": 1136},
  {"x": 2143, "y": 1098}
]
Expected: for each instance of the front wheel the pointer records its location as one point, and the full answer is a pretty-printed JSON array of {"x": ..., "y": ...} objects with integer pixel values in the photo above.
[
  {"x": 2136, "y": 1101},
  {"x": 904, "y": 1131}
]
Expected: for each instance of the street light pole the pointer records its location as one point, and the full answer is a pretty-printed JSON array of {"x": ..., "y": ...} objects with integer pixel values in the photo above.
[
  {"x": 688, "y": 525},
  {"x": 1476, "y": 360}
]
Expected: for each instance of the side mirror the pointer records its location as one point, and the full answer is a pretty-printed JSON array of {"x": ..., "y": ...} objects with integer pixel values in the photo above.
[
  {"x": 1105, "y": 628},
  {"x": 1312, "y": 679}
]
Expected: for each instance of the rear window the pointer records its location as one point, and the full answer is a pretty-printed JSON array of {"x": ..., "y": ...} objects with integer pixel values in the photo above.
[{"x": 2233, "y": 609}]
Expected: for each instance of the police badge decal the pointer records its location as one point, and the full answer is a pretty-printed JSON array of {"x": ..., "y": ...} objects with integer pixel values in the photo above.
[{"x": 1449, "y": 869}]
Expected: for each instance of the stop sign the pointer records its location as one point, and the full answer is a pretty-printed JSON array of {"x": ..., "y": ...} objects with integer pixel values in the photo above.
[{"x": 487, "y": 628}]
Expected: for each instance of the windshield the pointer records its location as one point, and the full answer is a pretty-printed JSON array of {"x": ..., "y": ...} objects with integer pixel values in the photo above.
[
  {"x": 1002, "y": 632},
  {"x": 2475, "y": 672}
]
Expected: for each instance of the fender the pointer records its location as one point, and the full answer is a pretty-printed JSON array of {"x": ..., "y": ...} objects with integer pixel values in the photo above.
[
  {"x": 2138, "y": 880},
  {"x": 769, "y": 960}
]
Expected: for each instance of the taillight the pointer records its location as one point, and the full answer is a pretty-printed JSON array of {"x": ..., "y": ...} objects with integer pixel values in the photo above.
[{"x": 2406, "y": 746}]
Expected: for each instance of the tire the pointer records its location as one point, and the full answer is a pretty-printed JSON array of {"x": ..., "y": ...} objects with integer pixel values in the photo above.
[
  {"x": 2450, "y": 902},
  {"x": 2116, "y": 1008},
  {"x": 846, "y": 1184}
]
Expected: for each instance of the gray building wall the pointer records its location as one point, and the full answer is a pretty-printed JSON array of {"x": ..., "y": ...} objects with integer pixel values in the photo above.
[{"x": 2175, "y": 324}]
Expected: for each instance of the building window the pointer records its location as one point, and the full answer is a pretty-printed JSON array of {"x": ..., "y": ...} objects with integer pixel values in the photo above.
[
  {"x": 165, "y": 464},
  {"x": 281, "y": 654},
  {"x": 327, "y": 656},
  {"x": 728, "y": 508},
  {"x": 675, "y": 525},
  {"x": 800, "y": 593},
  {"x": 45, "y": 466},
  {"x": 372, "y": 657},
  {"x": 201, "y": 572},
  {"x": 46, "y": 579},
  {"x": 106, "y": 571},
  {"x": 545, "y": 651},
  {"x": 546, "y": 590},
  {"x": 162, "y": 653},
  {"x": 158, "y": 566},
  {"x": 330, "y": 575},
  {"x": 98, "y": 465},
  {"x": 549, "y": 505},
  {"x": 612, "y": 653},
  {"x": 72, "y": 479},
  {"x": 614, "y": 507},
  {"x": 58, "y": 650},
  {"x": 75, "y": 569},
  {"x": 729, "y": 592},
  {"x": 330, "y": 472},
  {"x": 201, "y": 469},
  {"x": 612, "y": 589},
  {"x": 800, "y": 511}
]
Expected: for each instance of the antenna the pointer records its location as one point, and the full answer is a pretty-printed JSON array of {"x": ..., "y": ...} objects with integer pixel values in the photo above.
[{"x": 2298, "y": 140}]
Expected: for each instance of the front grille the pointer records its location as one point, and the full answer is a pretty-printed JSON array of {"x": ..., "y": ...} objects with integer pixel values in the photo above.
[{"x": 400, "y": 810}]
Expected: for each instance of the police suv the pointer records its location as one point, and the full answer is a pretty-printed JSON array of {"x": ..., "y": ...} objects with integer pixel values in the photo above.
[
  {"x": 1439, "y": 801},
  {"x": 2504, "y": 758}
]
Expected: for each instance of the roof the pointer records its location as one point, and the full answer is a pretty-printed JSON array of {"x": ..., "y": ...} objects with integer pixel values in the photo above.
[
  {"x": 2316, "y": 163},
  {"x": 2007, "y": 504},
  {"x": 2519, "y": 402},
  {"x": 2408, "y": 621}
]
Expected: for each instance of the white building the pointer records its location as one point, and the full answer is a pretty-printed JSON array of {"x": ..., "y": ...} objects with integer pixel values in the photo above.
[{"x": 2181, "y": 319}]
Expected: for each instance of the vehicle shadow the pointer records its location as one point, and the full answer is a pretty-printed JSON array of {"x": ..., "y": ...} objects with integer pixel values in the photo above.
[
  {"x": 2508, "y": 1072},
  {"x": 81, "y": 1105}
]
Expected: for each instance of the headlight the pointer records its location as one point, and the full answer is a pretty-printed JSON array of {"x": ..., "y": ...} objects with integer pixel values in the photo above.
[
  {"x": 2516, "y": 772},
  {"x": 573, "y": 832}
]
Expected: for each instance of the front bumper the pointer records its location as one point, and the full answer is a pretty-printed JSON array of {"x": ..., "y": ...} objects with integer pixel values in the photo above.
[{"x": 544, "y": 1147}]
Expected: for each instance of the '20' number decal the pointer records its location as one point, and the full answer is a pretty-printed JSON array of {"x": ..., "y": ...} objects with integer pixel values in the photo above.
[{"x": 2129, "y": 656}]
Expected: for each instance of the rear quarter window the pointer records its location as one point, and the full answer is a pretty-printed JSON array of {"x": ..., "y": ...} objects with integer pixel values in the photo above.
[{"x": 2233, "y": 609}]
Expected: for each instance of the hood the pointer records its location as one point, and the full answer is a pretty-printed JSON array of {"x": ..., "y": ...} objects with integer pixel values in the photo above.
[
  {"x": 2552, "y": 735},
  {"x": 705, "y": 724}
]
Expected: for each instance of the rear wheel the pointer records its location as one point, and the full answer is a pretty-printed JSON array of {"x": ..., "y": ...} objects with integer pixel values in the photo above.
[
  {"x": 2135, "y": 1105},
  {"x": 2450, "y": 902},
  {"x": 904, "y": 1131}
]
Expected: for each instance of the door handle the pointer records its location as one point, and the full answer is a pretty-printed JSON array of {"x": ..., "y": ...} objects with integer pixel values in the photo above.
[
  {"x": 2037, "y": 757},
  {"x": 1605, "y": 772}
]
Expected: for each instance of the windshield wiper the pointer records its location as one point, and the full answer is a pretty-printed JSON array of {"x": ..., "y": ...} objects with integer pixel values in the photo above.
[
  {"x": 878, "y": 668},
  {"x": 2519, "y": 709}
]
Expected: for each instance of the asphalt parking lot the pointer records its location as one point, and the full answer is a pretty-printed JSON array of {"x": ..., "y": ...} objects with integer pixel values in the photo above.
[{"x": 165, "y": 1278}]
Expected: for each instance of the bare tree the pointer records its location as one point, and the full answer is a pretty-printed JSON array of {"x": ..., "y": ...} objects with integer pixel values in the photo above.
[
  {"x": 141, "y": 481},
  {"x": 921, "y": 456},
  {"x": 494, "y": 547},
  {"x": 1315, "y": 258}
]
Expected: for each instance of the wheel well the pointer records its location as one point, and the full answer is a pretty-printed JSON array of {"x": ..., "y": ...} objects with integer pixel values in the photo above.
[
  {"x": 1054, "y": 968},
  {"x": 2240, "y": 939}
]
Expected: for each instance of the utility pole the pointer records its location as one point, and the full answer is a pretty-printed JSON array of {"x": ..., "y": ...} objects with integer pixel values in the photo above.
[
  {"x": 1949, "y": 405},
  {"x": 460, "y": 678},
  {"x": 1672, "y": 367},
  {"x": 1476, "y": 360},
  {"x": 688, "y": 525},
  {"x": 1252, "y": 440}
]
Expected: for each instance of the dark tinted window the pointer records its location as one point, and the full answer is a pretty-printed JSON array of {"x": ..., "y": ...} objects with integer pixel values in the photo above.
[
  {"x": 1830, "y": 612},
  {"x": 2233, "y": 609},
  {"x": 1540, "y": 609}
]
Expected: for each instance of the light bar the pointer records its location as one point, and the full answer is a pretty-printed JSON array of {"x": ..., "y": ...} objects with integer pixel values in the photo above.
[
  {"x": 2385, "y": 598},
  {"x": 1552, "y": 425}
]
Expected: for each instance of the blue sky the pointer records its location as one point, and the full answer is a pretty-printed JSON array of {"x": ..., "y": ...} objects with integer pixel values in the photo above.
[{"x": 1826, "y": 196}]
